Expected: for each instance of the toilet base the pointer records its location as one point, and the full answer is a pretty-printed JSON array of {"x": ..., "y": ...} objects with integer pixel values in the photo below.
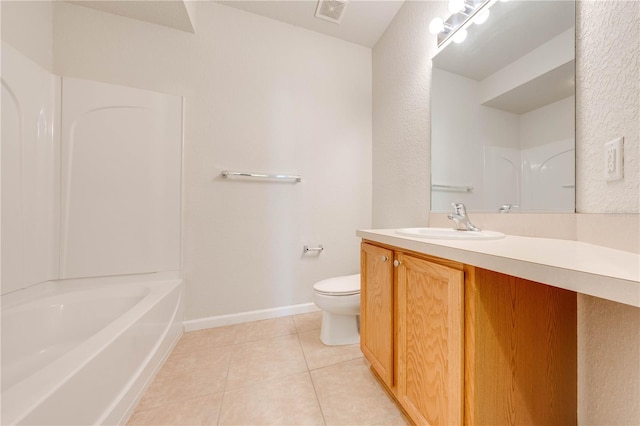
[{"x": 340, "y": 329}]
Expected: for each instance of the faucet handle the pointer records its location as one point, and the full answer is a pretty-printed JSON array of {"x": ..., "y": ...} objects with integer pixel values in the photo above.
[
  {"x": 459, "y": 209},
  {"x": 457, "y": 221},
  {"x": 461, "y": 218}
]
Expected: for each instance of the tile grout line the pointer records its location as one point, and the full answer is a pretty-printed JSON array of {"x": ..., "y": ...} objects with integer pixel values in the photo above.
[
  {"x": 337, "y": 363},
  {"x": 226, "y": 380},
  {"x": 315, "y": 391},
  {"x": 231, "y": 347},
  {"x": 313, "y": 385},
  {"x": 244, "y": 385},
  {"x": 304, "y": 355}
]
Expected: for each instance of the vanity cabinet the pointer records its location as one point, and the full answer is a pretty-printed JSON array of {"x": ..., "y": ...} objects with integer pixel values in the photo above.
[
  {"x": 455, "y": 344},
  {"x": 377, "y": 297},
  {"x": 430, "y": 332},
  {"x": 520, "y": 351}
]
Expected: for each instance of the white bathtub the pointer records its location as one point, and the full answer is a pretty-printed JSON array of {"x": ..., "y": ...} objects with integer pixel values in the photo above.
[{"x": 81, "y": 352}]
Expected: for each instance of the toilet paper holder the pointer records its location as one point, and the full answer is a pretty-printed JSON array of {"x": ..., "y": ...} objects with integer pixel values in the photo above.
[{"x": 307, "y": 249}]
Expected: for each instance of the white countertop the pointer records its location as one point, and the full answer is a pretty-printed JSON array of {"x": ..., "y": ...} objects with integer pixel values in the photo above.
[{"x": 572, "y": 265}]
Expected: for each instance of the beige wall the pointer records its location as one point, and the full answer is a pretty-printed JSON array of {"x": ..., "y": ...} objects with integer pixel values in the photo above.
[
  {"x": 608, "y": 104},
  {"x": 28, "y": 26},
  {"x": 401, "y": 109}
]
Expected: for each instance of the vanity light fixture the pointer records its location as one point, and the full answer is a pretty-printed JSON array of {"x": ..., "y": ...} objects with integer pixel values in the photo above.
[
  {"x": 481, "y": 17},
  {"x": 457, "y": 6},
  {"x": 460, "y": 36},
  {"x": 437, "y": 25},
  {"x": 462, "y": 11}
]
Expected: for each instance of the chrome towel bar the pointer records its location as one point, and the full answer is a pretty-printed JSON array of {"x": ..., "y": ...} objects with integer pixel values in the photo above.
[
  {"x": 226, "y": 173},
  {"x": 455, "y": 188}
]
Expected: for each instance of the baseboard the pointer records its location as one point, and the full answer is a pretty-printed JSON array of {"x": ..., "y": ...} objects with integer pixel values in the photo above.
[{"x": 242, "y": 317}]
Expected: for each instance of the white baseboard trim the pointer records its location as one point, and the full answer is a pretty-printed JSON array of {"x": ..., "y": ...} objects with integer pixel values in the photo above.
[{"x": 242, "y": 317}]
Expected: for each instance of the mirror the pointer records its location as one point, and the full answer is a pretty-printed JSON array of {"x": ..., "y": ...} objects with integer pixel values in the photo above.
[{"x": 503, "y": 112}]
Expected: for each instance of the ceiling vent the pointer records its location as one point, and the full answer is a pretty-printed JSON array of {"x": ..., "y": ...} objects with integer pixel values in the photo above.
[{"x": 331, "y": 10}]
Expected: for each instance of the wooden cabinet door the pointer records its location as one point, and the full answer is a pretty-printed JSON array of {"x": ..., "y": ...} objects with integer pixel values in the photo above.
[
  {"x": 430, "y": 325},
  {"x": 376, "y": 309}
]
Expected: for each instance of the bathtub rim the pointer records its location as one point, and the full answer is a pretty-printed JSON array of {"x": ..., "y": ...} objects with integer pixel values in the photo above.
[
  {"x": 25, "y": 396},
  {"x": 35, "y": 316},
  {"x": 48, "y": 288}
]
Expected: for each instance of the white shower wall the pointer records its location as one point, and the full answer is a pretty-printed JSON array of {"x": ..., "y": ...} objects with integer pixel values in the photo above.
[
  {"x": 91, "y": 177},
  {"x": 120, "y": 180},
  {"x": 536, "y": 179},
  {"x": 528, "y": 158},
  {"x": 260, "y": 96},
  {"x": 30, "y": 172}
]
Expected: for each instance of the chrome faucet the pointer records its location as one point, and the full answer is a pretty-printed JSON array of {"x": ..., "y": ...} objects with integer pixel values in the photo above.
[
  {"x": 460, "y": 217},
  {"x": 506, "y": 208}
]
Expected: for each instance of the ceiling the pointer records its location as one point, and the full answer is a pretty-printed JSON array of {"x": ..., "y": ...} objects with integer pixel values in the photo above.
[
  {"x": 173, "y": 14},
  {"x": 363, "y": 21}
]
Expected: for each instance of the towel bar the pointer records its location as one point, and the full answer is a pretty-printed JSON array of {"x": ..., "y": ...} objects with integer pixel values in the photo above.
[
  {"x": 456, "y": 188},
  {"x": 226, "y": 174}
]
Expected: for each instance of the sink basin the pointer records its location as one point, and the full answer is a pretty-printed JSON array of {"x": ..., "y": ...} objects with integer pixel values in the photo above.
[{"x": 449, "y": 234}]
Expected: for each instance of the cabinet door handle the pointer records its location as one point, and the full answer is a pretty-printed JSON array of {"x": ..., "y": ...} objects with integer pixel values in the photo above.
[
  {"x": 397, "y": 263},
  {"x": 384, "y": 258}
]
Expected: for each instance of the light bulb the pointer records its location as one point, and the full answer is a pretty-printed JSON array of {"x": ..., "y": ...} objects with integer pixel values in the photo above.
[
  {"x": 481, "y": 17},
  {"x": 456, "y": 6},
  {"x": 460, "y": 36},
  {"x": 436, "y": 26}
]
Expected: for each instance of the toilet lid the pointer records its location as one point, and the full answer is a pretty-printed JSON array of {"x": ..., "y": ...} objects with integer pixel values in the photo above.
[{"x": 344, "y": 286}]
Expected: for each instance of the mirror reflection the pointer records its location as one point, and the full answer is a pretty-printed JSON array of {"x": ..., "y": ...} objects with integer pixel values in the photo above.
[{"x": 503, "y": 112}]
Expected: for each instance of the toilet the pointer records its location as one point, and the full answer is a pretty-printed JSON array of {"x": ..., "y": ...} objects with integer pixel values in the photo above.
[{"x": 339, "y": 299}]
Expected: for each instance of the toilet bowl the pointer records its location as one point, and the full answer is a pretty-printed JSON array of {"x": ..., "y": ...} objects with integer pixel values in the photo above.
[{"x": 339, "y": 299}]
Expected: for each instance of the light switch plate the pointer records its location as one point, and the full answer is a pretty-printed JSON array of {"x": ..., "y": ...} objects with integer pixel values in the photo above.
[{"x": 613, "y": 156}]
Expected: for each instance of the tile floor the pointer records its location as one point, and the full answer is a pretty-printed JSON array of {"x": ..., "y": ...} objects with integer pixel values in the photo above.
[{"x": 271, "y": 372}]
